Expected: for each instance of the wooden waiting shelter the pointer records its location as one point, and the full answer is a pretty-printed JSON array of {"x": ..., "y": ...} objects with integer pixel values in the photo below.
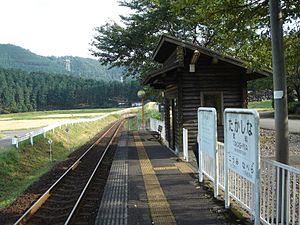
[{"x": 192, "y": 76}]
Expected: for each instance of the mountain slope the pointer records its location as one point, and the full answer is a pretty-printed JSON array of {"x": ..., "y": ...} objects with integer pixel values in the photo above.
[{"x": 12, "y": 56}]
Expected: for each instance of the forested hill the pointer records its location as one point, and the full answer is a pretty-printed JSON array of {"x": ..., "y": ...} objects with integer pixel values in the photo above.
[
  {"x": 12, "y": 56},
  {"x": 22, "y": 91}
]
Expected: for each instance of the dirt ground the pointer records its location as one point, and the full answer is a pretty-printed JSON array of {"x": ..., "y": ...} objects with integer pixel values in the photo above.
[
  {"x": 267, "y": 143},
  {"x": 267, "y": 146}
]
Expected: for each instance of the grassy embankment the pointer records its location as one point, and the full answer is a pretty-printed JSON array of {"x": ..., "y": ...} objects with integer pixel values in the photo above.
[
  {"x": 261, "y": 106},
  {"x": 22, "y": 167}
]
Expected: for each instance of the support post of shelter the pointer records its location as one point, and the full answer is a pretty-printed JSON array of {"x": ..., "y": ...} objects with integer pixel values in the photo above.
[
  {"x": 143, "y": 114},
  {"x": 167, "y": 119}
]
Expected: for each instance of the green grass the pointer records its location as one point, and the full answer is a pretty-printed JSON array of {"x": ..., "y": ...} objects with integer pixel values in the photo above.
[
  {"x": 37, "y": 114},
  {"x": 150, "y": 111},
  {"x": 2, "y": 136},
  {"x": 22, "y": 167},
  {"x": 263, "y": 105}
]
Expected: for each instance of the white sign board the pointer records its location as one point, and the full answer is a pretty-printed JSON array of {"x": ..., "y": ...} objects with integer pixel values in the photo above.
[
  {"x": 242, "y": 142},
  {"x": 14, "y": 141},
  {"x": 207, "y": 130},
  {"x": 49, "y": 141},
  {"x": 207, "y": 139}
]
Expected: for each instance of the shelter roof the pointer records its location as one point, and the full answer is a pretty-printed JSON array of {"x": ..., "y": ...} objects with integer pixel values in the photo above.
[{"x": 167, "y": 45}]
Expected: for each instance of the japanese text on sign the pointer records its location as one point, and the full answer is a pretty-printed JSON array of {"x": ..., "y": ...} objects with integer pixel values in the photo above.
[
  {"x": 242, "y": 143},
  {"x": 207, "y": 130}
]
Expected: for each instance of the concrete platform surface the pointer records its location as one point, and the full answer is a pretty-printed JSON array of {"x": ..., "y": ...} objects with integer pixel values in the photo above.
[{"x": 148, "y": 185}]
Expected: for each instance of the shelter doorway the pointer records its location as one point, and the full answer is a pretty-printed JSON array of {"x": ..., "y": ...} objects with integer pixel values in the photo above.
[{"x": 214, "y": 99}]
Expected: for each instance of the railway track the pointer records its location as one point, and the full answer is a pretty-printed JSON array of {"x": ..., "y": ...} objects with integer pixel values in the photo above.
[{"x": 75, "y": 197}]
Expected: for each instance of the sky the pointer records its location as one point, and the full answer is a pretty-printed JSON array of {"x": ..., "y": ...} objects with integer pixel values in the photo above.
[{"x": 55, "y": 27}]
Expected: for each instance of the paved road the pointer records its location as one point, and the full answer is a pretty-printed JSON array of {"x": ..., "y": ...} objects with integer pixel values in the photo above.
[
  {"x": 267, "y": 121},
  {"x": 6, "y": 141}
]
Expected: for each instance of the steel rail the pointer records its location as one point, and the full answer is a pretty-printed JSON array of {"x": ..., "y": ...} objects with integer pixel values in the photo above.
[
  {"x": 34, "y": 208},
  {"x": 77, "y": 204}
]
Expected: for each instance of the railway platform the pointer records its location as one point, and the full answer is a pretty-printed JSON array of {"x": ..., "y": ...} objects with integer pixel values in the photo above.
[{"x": 147, "y": 184}]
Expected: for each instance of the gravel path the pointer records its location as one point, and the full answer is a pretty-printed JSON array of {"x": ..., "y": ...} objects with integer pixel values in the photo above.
[{"x": 267, "y": 143}]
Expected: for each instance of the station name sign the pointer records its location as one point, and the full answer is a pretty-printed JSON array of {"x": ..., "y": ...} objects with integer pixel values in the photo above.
[
  {"x": 242, "y": 142},
  {"x": 207, "y": 129}
]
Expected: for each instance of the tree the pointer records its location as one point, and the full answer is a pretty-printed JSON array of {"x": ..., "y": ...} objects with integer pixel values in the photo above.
[
  {"x": 131, "y": 45},
  {"x": 21, "y": 91},
  {"x": 239, "y": 28},
  {"x": 293, "y": 63}
]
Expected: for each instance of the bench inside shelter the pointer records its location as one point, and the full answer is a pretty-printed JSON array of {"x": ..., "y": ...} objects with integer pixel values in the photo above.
[{"x": 157, "y": 134}]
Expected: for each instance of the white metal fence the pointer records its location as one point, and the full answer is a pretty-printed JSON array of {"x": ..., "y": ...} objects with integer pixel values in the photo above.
[
  {"x": 274, "y": 209},
  {"x": 29, "y": 136},
  {"x": 240, "y": 189},
  {"x": 185, "y": 144}
]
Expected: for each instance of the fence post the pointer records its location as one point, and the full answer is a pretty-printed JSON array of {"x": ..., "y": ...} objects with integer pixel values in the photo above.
[
  {"x": 14, "y": 141},
  {"x": 31, "y": 138},
  {"x": 185, "y": 144},
  {"x": 216, "y": 165},
  {"x": 199, "y": 159}
]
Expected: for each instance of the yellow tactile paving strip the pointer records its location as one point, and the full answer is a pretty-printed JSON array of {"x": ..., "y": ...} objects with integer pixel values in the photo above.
[
  {"x": 183, "y": 168},
  {"x": 161, "y": 213},
  {"x": 165, "y": 168}
]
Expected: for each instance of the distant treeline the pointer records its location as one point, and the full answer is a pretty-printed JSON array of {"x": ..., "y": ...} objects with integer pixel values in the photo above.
[{"x": 22, "y": 91}]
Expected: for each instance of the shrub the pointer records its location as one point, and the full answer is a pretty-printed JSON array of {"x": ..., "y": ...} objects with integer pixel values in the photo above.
[{"x": 294, "y": 107}]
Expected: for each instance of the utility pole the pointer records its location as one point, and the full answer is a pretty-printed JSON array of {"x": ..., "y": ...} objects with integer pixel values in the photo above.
[{"x": 279, "y": 83}]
